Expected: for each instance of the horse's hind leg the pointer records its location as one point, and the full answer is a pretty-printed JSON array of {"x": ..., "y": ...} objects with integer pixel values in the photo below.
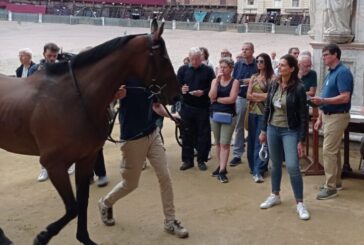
[
  {"x": 60, "y": 179},
  {"x": 84, "y": 171}
]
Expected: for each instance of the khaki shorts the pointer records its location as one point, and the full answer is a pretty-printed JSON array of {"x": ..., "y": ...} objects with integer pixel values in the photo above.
[{"x": 223, "y": 132}]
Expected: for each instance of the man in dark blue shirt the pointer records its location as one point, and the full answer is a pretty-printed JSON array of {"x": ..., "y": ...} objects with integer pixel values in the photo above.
[
  {"x": 50, "y": 53},
  {"x": 195, "y": 79},
  {"x": 141, "y": 140},
  {"x": 243, "y": 70},
  {"x": 335, "y": 103}
]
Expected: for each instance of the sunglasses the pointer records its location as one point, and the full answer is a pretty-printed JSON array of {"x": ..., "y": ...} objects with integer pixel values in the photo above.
[{"x": 260, "y": 61}]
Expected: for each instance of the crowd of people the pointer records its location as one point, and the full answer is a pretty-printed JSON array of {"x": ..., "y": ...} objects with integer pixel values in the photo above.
[
  {"x": 267, "y": 98},
  {"x": 261, "y": 95}
]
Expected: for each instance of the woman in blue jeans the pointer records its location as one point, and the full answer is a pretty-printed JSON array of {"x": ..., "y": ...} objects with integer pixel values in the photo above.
[
  {"x": 284, "y": 127},
  {"x": 257, "y": 95}
]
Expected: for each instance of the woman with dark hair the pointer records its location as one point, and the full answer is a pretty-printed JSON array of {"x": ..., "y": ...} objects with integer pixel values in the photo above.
[
  {"x": 284, "y": 127},
  {"x": 257, "y": 94}
]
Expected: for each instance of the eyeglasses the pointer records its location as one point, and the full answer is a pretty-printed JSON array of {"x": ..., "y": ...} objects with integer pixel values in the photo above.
[{"x": 260, "y": 61}]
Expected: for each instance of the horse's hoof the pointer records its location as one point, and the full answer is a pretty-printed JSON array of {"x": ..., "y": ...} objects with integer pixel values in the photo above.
[
  {"x": 36, "y": 241},
  {"x": 86, "y": 240},
  {"x": 42, "y": 238},
  {"x": 4, "y": 240},
  {"x": 89, "y": 242}
]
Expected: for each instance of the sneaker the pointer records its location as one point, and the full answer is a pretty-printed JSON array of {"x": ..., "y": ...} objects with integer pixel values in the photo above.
[
  {"x": 43, "y": 175},
  {"x": 302, "y": 211},
  {"x": 271, "y": 201},
  {"x": 106, "y": 213},
  {"x": 216, "y": 172},
  {"x": 202, "y": 166},
  {"x": 144, "y": 165},
  {"x": 71, "y": 169},
  {"x": 326, "y": 193},
  {"x": 338, "y": 187},
  {"x": 186, "y": 165},
  {"x": 258, "y": 178},
  {"x": 102, "y": 181},
  {"x": 235, "y": 161},
  {"x": 174, "y": 227},
  {"x": 222, "y": 177}
]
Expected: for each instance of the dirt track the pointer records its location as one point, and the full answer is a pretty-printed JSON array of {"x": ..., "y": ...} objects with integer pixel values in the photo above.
[{"x": 214, "y": 213}]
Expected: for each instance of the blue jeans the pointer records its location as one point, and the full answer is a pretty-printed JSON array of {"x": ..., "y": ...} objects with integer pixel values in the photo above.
[
  {"x": 257, "y": 166},
  {"x": 238, "y": 148},
  {"x": 284, "y": 141}
]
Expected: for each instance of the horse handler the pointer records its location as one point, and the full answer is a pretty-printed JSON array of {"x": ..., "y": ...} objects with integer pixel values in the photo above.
[{"x": 141, "y": 140}]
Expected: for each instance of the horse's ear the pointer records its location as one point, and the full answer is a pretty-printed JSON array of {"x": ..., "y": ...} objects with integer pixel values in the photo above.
[
  {"x": 153, "y": 26},
  {"x": 160, "y": 31}
]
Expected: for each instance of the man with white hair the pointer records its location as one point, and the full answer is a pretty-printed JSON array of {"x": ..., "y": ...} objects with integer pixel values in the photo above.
[
  {"x": 195, "y": 79},
  {"x": 25, "y": 57},
  {"x": 306, "y": 74}
]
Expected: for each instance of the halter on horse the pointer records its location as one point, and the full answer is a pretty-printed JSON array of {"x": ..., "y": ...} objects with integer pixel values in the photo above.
[{"x": 60, "y": 113}]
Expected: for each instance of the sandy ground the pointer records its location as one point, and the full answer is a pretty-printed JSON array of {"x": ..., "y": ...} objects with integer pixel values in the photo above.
[{"x": 214, "y": 213}]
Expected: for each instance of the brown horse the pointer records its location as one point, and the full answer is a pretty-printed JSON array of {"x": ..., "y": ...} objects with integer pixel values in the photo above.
[{"x": 60, "y": 113}]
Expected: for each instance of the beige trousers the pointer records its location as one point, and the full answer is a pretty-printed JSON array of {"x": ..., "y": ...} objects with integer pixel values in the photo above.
[
  {"x": 134, "y": 153},
  {"x": 334, "y": 127}
]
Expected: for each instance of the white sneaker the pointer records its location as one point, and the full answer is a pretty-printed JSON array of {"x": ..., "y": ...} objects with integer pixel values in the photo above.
[
  {"x": 144, "y": 165},
  {"x": 106, "y": 213},
  {"x": 102, "y": 181},
  {"x": 71, "y": 170},
  {"x": 258, "y": 179},
  {"x": 43, "y": 175},
  {"x": 302, "y": 211},
  {"x": 174, "y": 227},
  {"x": 270, "y": 201}
]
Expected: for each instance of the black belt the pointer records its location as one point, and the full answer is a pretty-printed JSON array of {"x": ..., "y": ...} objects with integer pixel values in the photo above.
[{"x": 334, "y": 112}]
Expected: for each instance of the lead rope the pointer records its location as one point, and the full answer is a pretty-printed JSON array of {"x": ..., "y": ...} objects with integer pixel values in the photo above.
[{"x": 155, "y": 91}]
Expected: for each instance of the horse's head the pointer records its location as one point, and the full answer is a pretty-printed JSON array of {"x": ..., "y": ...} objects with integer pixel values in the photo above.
[{"x": 158, "y": 69}]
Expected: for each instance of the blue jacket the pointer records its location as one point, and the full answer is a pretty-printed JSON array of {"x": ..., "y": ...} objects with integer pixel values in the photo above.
[{"x": 19, "y": 70}]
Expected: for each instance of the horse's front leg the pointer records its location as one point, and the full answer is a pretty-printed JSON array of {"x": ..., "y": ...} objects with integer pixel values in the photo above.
[
  {"x": 3, "y": 239},
  {"x": 61, "y": 181},
  {"x": 84, "y": 170}
]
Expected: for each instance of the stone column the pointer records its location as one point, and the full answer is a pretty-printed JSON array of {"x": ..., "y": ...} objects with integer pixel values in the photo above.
[{"x": 352, "y": 52}]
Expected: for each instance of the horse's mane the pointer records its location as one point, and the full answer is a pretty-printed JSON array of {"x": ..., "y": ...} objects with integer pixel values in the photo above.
[{"x": 90, "y": 56}]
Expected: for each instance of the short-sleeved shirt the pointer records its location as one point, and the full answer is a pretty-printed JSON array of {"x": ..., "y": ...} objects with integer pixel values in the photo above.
[
  {"x": 136, "y": 117},
  {"x": 196, "y": 79},
  {"x": 338, "y": 80},
  {"x": 309, "y": 80},
  {"x": 243, "y": 70}
]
